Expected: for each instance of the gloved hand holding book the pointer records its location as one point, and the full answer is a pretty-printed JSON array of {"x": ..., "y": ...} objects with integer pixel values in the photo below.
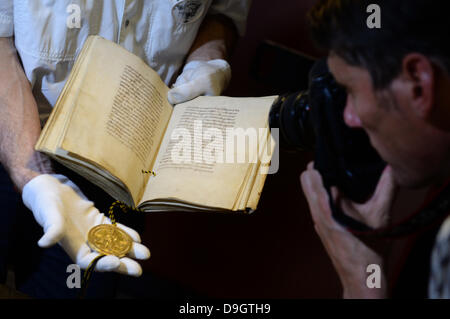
[
  {"x": 200, "y": 78},
  {"x": 66, "y": 216}
]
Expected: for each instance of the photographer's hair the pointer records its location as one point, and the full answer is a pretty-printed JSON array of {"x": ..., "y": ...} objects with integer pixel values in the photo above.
[{"x": 421, "y": 26}]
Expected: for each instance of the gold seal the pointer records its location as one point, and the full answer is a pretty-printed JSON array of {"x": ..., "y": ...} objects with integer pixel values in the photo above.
[{"x": 109, "y": 240}]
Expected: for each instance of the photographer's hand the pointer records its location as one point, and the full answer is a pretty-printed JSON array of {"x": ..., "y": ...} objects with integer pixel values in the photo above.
[{"x": 350, "y": 256}]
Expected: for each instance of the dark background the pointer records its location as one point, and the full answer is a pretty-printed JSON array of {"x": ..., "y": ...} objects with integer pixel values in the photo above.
[{"x": 275, "y": 252}]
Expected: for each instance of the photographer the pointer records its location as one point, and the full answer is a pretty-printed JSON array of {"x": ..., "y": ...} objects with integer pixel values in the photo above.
[{"x": 398, "y": 90}]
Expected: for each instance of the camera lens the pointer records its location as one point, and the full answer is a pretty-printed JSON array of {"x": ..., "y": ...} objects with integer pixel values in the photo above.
[{"x": 290, "y": 113}]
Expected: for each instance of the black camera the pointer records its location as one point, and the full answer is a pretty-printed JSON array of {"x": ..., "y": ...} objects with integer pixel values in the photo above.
[{"x": 312, "y": 120}]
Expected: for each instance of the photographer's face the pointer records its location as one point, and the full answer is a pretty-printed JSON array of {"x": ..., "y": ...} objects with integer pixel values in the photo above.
[{"x": 394, "y": 122}]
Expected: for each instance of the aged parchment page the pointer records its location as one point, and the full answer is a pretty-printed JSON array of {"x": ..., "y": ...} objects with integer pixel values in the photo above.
[
  {"x": 199, "y": 181},
  {"x": 120, "y": 115}
]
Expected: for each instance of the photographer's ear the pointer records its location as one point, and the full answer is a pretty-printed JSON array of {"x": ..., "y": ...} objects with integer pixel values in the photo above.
[{"x": 417, "y": 84}]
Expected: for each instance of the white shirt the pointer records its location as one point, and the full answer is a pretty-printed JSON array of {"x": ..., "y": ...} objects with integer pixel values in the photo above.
[{"x": 49, "y": 34}]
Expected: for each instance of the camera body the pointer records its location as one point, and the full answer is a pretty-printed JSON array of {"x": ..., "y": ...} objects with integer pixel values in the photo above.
[{"x": 313, "y": 120}]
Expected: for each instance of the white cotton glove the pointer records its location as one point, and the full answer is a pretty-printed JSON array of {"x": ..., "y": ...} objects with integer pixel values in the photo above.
[
  {"x": 66, "y": 216},
  {"x": 200, "y": 78}
]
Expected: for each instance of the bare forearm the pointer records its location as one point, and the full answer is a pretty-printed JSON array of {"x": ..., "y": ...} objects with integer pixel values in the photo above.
[
  {"x": 19, "y": 120},
  {"x": 359, "y": 290},
  {"x": 215, "y": 39},
  {"x": 358, "y": 285}
]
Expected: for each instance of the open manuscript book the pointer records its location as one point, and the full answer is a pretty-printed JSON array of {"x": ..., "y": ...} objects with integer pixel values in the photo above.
[{"x": 112, "y": 120}]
